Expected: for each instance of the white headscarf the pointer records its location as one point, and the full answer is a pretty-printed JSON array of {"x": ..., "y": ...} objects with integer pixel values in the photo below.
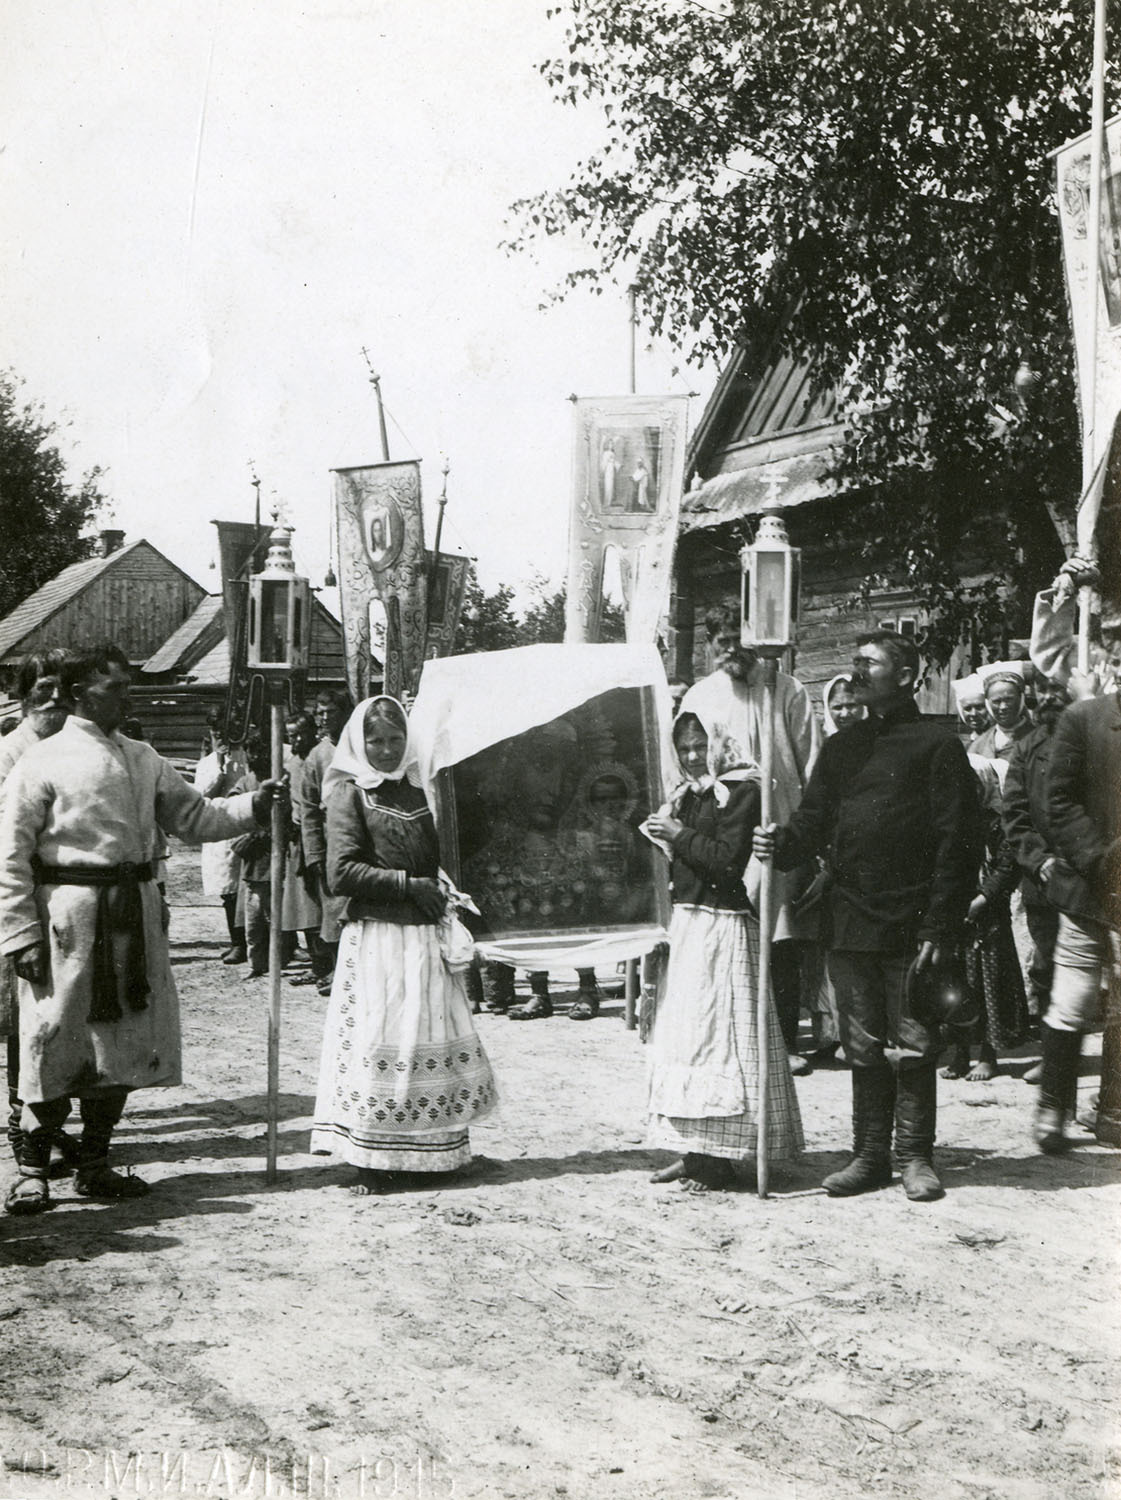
[
  {"x": 349, "y": 762},
  {"x": 727, "y": 761},
  {"x": 831, "y": 725},
  {"x": 966, "y": 689}
]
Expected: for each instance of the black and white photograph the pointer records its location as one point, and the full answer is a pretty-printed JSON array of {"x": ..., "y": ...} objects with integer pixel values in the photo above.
[{"x": 560, "y": 750}]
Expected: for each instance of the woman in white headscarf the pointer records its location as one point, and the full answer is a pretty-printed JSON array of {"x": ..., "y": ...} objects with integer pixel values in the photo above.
[
  {"x": 839, "y": 704},
  {"x": 969, "y": 698},
  {"x": 403, "y": 1071},
  {"x": 704, "y": 1043}
]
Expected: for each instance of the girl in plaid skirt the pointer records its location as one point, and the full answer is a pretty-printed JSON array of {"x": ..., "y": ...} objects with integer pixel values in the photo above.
[{"x": 704, "y": 1045}]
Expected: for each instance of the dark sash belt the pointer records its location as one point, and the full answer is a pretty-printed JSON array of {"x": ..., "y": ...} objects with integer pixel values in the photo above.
[{"x": 119, "y": 910}]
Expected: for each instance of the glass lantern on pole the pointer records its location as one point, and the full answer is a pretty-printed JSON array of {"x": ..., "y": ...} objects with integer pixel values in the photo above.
[
  {"x": 771, "y": 583},
  {"x": 768, "y": 625},
  {"x": 277, "y": 647},
  {"x": 279, "y": 611}
]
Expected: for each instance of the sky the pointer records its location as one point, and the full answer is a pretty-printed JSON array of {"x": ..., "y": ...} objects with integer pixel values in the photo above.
[{"x": 211, "y": 206}]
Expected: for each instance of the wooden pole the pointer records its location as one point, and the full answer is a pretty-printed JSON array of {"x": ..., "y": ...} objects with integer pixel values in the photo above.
[
  {"x": 442, "y": 505},
  {"x": 1093, "y": 252},
  {"x": 375, "y": 381},
  {"x": 276, "y": 893},
  {"x": 630, "y": 995},
  {"x": 766, "y": 893},
  {"x": 632, "y": 320}
]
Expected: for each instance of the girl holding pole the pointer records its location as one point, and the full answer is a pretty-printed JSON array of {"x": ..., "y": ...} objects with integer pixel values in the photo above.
[{"x": 704, "y": 1047}]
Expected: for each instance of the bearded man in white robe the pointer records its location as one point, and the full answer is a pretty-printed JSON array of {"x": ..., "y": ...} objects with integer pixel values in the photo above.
[{"x": 82, "y": 917}]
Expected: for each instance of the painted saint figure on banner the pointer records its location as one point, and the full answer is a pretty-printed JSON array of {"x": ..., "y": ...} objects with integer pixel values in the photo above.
[
  {"x": 629, "y": 471},
  {"x": 383, "y": 531}
]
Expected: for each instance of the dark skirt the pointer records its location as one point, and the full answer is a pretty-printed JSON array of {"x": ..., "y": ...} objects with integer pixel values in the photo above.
[{"x": 995, "y": 983}]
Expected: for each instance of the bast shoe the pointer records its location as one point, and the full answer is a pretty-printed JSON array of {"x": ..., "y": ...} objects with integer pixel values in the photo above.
[
  {"x": 537, "y": 1008},
  {"x": 586, "y": 1005}
]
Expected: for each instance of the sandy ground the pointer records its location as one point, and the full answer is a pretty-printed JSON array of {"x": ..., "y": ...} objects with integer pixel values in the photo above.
[{"x": 551, "y": 1324}]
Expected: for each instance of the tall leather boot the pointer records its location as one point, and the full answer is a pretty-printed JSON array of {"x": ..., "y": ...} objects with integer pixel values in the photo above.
[
  {"x": 1108, "y": 1126},
  {"x": 95, "y": 1178},
  {"x": 1057, "y": 1088},
  {"x": 473, "y": 982},
  {"x": 916, "y": 1105},
  {"x": 498, "y": 987},
  {"x": 873, "y": 1110}
]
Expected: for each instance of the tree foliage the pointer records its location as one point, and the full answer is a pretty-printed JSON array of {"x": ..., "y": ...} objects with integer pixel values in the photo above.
[
  {"x": 488, "y": 621},
  {"x": 45, "y": 517},
  {"x": 867, "y": 182}
]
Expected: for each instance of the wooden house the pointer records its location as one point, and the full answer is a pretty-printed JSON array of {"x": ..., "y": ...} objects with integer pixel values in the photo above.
[
  {"x": 766, "y": 440},
  {"x": 129, "y": 594}
]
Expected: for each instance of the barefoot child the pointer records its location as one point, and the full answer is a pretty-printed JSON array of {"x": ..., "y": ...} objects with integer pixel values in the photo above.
[
  {"x": 403, "y": 1072},
  {"x": 704, "y": 1050}
]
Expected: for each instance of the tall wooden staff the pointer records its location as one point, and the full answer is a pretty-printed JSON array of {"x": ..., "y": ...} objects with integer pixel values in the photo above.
[
  {"x": 768, "y": 623},
  {"x": 279, "y": 636},
  {"x": 1093, "y": 254}
]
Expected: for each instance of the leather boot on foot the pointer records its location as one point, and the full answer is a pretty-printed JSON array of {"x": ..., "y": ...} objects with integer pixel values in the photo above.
[
  {"x": 873, "y": 1106},
  {"x": 916, "y": 1105},
  {"x": 1057, "y": 1085},
  {"x": 498, "y": 987}
]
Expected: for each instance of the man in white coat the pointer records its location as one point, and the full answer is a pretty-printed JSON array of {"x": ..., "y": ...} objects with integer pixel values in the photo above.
[
  {"x": 733, "y": 697},
  {"x": 82, "y": 917}
]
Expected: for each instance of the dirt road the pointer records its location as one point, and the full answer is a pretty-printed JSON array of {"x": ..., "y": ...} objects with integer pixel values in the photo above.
[{"x": 552, "y": 1325}]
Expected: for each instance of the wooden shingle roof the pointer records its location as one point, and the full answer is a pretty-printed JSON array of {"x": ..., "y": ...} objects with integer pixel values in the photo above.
[
  {"x": 58, "y": 591},
  {"x": 184, "y": 644}
]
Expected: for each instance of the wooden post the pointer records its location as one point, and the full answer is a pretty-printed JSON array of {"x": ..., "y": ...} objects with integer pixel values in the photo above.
[
  {"x": 1093, "y": 254},
  {"x": 275, "y": 935},
  {"x": 630, "y": 995},
  {"x": 763, "y": 997}
]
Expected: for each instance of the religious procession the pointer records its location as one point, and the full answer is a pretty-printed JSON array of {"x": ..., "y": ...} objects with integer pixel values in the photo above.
[{"x": 800, "y": 793}]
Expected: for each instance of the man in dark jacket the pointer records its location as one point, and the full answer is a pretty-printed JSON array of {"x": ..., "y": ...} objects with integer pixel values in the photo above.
[
  {"x": 892, "y": 806},
  {"x": 1084, "y": 812}
]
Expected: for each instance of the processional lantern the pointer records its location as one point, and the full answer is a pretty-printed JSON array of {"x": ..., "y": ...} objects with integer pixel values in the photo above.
[
  {"x": 770, "y": 586},
  {"x": 279, "y": 611}
]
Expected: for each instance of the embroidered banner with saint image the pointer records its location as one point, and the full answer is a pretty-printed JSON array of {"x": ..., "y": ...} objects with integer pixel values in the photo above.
[
  {"x": 628, "y": 463},
  {"x": 382, "y": 572}
]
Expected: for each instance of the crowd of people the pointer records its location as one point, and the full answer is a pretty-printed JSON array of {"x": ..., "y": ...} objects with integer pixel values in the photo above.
[{"x": 899, "y": 849}]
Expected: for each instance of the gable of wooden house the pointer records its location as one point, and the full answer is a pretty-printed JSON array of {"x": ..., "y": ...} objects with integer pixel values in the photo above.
[{"x": 767, "y": 440}]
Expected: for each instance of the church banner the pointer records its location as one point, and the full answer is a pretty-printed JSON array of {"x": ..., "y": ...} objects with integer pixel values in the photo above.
[
  {"x": 241, "y": 551},
  {"x": 447, "y": 584},
  {"x": 1093, "y": 289},
  {"x": 628, "y": 465},
  {"x": 382, "y": 572}
]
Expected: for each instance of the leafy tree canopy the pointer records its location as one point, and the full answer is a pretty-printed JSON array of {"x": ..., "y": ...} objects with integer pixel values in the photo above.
[
  {"x": 45, "y": 517},
  {"x": 868, "y": 181},
  {"x": 488, "y": 621}
]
